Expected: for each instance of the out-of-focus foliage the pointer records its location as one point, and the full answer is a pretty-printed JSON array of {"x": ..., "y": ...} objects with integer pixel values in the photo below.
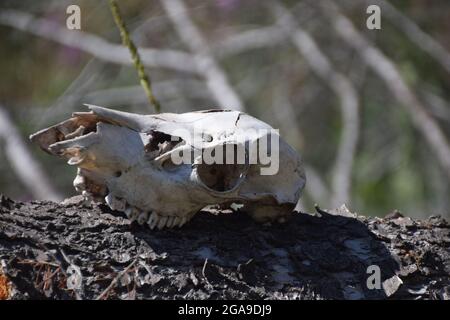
[{"x": 42, "y": 82}]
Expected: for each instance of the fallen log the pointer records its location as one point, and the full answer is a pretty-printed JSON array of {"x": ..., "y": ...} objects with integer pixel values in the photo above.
[{"x": 77, "y": 251}]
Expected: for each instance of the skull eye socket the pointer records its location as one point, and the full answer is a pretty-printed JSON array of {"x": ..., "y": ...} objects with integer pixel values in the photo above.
[
  {"x": 226, "y": 174},
  {"x": 221, "y": 177}
]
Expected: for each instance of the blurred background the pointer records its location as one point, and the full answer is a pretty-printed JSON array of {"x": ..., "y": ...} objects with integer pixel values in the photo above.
[{"x": 369, "y": 110}]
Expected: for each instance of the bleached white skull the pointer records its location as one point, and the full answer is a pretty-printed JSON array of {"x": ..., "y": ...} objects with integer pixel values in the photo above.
[{"x": 161, "y": 169}]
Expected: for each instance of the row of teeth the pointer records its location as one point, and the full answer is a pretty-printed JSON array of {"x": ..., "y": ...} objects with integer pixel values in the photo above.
[{"x": 153, "y": 219}]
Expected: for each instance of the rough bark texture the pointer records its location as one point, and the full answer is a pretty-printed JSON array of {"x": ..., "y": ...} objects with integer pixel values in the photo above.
[{"x": 73, "y": 251}]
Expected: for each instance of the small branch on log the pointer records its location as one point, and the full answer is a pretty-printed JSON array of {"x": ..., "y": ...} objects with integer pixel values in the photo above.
[{"x": 115, "y": 280}]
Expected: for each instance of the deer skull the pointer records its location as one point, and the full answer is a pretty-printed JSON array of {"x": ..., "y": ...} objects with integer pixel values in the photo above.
[{"x": 158, "y": 169}]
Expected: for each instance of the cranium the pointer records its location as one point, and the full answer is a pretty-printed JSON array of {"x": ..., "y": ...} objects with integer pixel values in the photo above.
[{"x": 132, "y": 163}]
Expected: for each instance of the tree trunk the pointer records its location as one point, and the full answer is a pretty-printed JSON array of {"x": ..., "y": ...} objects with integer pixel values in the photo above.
[{"x": 77, "y": 251}]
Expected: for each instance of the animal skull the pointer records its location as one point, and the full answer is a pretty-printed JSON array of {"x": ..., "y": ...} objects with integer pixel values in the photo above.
[{"x": 128, "y": 161}]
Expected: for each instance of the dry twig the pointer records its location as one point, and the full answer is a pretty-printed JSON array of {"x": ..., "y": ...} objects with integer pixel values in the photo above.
[{"x": 115, "y": 280}]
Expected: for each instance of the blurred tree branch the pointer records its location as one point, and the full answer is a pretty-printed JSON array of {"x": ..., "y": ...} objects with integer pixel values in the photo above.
[
  {"x": 247, "y": 40},
  {"x": 205, "y": 63},
  {"x": 342, "y": 87},
  {"x": 439, "y": 107},
  {"x": 22, "y": 162},
  {"x": 387, "y": 71},
  {"x": 420, "y": 38},
  {"x": 95, "y": 45}
]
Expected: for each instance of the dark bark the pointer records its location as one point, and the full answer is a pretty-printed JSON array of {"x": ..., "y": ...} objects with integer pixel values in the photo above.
[{"x": 69, "y": 251}]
